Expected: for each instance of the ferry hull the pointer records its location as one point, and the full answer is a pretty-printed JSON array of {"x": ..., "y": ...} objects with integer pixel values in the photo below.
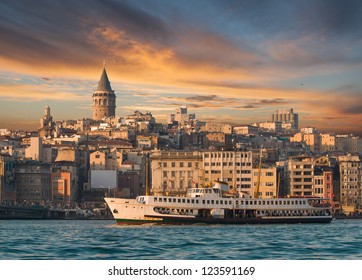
[{"x": 234, "y": 221}]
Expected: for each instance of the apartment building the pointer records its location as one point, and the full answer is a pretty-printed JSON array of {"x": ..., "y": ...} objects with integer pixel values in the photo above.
[
  {"x": 174, "y": 172},
  {"x": 323, "y": 182},
  {"x": 32, "y": 181},
  {"x": 350, "y": 168},
  {"x": 233, "y": 167},
  {"x": 300, "y": 176},
  {"x": 267, "y": 182},
  {"x": 286, "y": 116},
  {"x": 310, "y": 137}
]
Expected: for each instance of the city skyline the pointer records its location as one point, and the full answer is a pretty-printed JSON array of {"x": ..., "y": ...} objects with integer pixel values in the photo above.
[{"x": 230, "y": 61}]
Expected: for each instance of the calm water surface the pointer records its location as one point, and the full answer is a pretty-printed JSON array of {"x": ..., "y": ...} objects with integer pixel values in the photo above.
[{"x": 84, "y": 240}]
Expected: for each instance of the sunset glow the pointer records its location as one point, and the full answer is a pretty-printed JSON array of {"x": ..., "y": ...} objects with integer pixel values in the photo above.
[{"x": 231, "y": 61}]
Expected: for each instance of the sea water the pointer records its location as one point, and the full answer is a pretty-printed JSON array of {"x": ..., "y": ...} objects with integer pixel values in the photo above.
[{"x": 103, "y": 239}]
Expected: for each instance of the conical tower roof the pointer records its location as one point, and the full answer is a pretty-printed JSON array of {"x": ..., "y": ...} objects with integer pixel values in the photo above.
[{"x": 104, "y": 84}]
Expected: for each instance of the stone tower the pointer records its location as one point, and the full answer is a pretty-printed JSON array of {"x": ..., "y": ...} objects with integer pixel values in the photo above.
[
  {"x": 104, "y": 99},
  {"x": 46, "y": 123}
]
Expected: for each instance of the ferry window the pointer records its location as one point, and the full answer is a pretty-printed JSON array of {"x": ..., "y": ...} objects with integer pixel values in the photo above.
[
  {"x": 188, "y": 201},
  {"x": 179, "y": 200}
]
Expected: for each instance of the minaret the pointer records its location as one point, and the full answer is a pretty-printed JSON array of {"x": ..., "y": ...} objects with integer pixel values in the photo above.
[{"x": 104, "y": 99}]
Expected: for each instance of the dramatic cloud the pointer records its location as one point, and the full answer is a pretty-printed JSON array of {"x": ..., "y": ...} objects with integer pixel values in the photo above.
[{"x": 221, "y": 56}]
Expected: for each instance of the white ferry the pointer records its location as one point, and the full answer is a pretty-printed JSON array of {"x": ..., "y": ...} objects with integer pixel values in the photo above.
[{"x": 215, "y": 206}]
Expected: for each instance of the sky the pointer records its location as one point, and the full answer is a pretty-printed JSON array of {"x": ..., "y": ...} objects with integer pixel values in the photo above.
[{"x": 228, "y": 61}]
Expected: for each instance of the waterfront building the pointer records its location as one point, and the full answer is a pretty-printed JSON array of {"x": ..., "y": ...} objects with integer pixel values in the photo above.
[
  {"x": 265, "y": 185},
  {"x": 175, "y": 172},
  {"x": 350, "y": 168},
  {"x": 231, "y": 167},
  {"x": 300, "y": 175},
  {"x": 65, "y": 185},
  {"x": 323, "y": 182},
  {"x": 7, "y": 182},
  {"x": 32, "y": 182},
  {"x": 104, "y": 99},
  {"x": 286, "y": 116}
]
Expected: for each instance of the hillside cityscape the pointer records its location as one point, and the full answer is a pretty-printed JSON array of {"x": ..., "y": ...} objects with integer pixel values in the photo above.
[{"x": 72, "y": 163}]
